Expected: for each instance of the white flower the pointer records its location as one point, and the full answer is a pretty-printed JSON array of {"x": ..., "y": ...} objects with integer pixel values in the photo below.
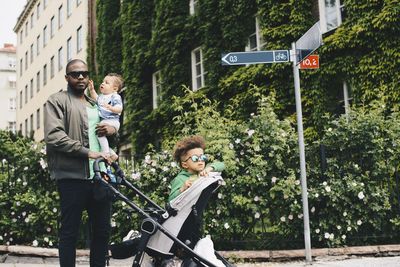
[
  {"x": 46, "y": 239},
  {"x": 237, "y": 141},
  {"x": 257, "y": 215},
  {"x": 14, "y": 220},
  {"x": 362, "y": 184},
  {"x": 23, "y": 213},
  {"x": 313, "y": 209},
  {"x": 300, "y": 215},
  {"x": 283, "y": 134},
  {"x": 223, "y": 182},
  {"x": 226, "y": 225},
  {"x": 339, "y": 227},
  {"x": 297, "y": 182},
  {"x": 230, "y": 146},
  {"x": 252, "y": 114},
  {"x": 153, "y": 170},
  {"x": 218, "y": 212},
  {"x": 327, "y": 235},
  {"x": 4, "y": 161},
  {"x": 316, "y": 195},
  {"x": 43, "y": 163},
  {"x": 325, "y": 183},
  {"x": 251, "y": 132},
  {"x": 256, "y": 198},
  {"x": 343, "y": 237},
  {"x": 26, "y": 168},
  {"x": 164, "y": 179},
  {"x": 361, "y": 195},
  {"x": 283, "y": 219},
  {"x": 356, "y": 166},
  {"x": 290, "y": 217},
  {"x": 348, "y": 228},
  {"x": 165, "y": 168},
  {"x": 329, "y": 129},
  {"x": 123, "y": 203},
  {"x": 1, "y": 237},
  {"x": 54, "y": 210},
  {"x": 359, "y": 222},
  {"x": 328, "y": 188},
  {"x": 50, "y": 244},
  {"x": 24, "y": 183},
  {"x": 331, "y": 236},
  {"x": 173, "y": 164},
  {"x": 273, "y": 179},
  {"x": 35, "y": 243},
  {"x": 113, "y": 224},
  {"x": 317, "y": 231},
  {"x": 344, "y": 214},
  {"x": 135, "y": 176},
  {"x": 354, "y": 184},
  {"x": 219, "y": 195},
  {"x": 43, "y": 151},
  {"x": 27, "y": 219}
]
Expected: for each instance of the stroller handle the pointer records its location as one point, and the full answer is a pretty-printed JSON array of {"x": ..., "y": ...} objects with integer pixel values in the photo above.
[{"x": 96, "y": 165}]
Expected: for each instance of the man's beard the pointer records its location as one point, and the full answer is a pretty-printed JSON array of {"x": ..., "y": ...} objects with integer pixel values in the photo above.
[{"x": 77, "y": 89}]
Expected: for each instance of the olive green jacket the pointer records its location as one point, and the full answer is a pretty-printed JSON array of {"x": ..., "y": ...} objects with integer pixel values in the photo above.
[{"x": 66, "y": 135}]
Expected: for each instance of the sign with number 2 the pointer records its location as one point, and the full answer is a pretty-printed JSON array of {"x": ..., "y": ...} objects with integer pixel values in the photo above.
[{"x": 311, "y": 62}]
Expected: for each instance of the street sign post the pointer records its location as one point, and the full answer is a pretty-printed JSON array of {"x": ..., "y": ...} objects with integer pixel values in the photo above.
[{"x": 257, "y": 57}]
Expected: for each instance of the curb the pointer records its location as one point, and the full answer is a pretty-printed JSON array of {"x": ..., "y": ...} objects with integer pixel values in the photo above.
[{"x": 258, "y": 255}]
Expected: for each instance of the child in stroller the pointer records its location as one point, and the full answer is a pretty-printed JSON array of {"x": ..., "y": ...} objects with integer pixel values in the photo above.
[{"x": 165, "y": 233}]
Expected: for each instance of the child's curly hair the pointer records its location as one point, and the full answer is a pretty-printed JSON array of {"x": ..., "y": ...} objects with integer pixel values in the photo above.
[{"x": 186, "y": 144}]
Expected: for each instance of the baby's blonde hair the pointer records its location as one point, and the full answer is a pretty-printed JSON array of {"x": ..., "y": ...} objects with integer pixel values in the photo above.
[{"x": 118, "y": 81}]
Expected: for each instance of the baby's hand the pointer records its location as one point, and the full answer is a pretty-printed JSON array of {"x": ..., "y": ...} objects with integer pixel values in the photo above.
[
  {"x": 189, "y": 182},
  {"x": 206, "y": 171},
  {"x": 91, "y": 86},
  {"x": 107, "y": 106}
]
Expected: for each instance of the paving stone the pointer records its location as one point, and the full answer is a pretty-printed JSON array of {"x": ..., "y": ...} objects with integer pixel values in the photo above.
[{"x": 24, "y": 259}]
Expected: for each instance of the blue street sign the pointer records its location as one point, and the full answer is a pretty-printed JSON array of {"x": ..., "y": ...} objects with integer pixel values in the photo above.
[{"x": 244, "y": 58}]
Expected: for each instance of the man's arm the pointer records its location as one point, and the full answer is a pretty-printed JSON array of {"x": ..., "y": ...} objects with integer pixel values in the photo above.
[{"x": 54, "y": 130}]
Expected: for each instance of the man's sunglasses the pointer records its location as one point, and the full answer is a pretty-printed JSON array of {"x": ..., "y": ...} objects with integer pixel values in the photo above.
[
  {"x": 196, "y": 158},
  {"x": 76, "y": 74}
]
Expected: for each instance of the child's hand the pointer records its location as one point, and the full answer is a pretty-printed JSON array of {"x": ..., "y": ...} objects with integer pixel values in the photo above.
[
  {"x": 206, "y": 171},
  {"x": 187, "y": 184},
  {"x": 91, "y": 86},
  {"x": 107, "y": 106}
]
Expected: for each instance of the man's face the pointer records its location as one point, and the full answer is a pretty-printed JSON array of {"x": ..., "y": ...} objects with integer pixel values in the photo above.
[{"x": 77, "y": 77}]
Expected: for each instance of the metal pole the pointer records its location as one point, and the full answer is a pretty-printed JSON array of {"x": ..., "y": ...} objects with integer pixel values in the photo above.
[{"x": 307, "y": 238}]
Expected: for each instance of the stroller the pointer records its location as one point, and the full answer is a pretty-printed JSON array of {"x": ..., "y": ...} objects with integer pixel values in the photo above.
[{"x": 164, "y": 233}]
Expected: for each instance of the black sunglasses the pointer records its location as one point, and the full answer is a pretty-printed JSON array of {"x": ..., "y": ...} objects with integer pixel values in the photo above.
[
  {"x": 196, "y": 158},
  {"x": 76, "y": 74}
]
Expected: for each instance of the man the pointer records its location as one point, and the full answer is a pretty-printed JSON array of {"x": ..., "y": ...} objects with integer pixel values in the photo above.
[{"x": 70, "y": 123}]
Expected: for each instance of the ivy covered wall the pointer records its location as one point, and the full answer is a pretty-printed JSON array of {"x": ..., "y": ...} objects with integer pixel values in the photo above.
[{"x": 160, "y": 35}]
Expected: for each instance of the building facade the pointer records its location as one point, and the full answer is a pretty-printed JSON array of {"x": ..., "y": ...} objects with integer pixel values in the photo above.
[
  {"x": 49, "y": 34},
  {"x": 8, "y": 88}
]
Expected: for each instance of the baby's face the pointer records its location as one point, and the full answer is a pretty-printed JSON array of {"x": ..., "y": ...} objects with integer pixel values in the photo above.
[
  {"x": 193, "y": 166},
  {"x": 107, "y": 86}
]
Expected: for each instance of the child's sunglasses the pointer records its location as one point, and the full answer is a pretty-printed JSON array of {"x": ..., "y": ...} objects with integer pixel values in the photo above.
[
  {"x": 196, "y": 158},
  {"x": 76, "y": 74}
]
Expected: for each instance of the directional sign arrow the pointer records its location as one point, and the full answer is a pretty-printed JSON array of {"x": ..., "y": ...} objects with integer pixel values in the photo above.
[{"x": 244, "y": 58}]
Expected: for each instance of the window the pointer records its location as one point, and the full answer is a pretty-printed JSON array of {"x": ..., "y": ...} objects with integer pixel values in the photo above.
[
  {"x": 31, "y": 88},
  {"x": 38, "y": 45},
  {"x": 193, "y": 5},
  {"x": 26, "y": 93},
  {"x": 20, "y": 99},
  {"x": 12, "y": 126},
  {"x": 31, "y": 122},
  {"x": 52, "y": 30},
  {"x": 52, "y": 67},
  {"x": 60, "y": 17},
  {"x": 78, "y": 2},
  {"x": 38, "y": 81},
  {"x": 331, "y": 14},
  {"x": 12, "y": 62},
  {"x": 38, "y": 10},
  {"x": 197, "y": 69},
  {"x": 157, "y": 87},
  {"x": 69, "y": 49},
  {"x": 26, "y": 29},
  {"x": 45, "y": 36},
  {"x": 31, "y": 53},
  {"x": 38, "y": 118},
  {"x": 32, "y": 17},
  {"x": 20, "y": 127},
  {"x": 26, "y": 127},
  {"x": 12, "y": 104},
  {"x": 44, "y": 74},
  {"x": 21, "y": 34},
  {"x": 79, "y": 39},
  {"x": 255, "y": 42},
  {"x": 69, "y": 7},
  {"x": 26, "y": 60},
  {"x": 20, "y": 67},
  {"x": 60, "y": 58},
  {"x": 44, "y": 3},
  {"x": 12, "y": 81}
]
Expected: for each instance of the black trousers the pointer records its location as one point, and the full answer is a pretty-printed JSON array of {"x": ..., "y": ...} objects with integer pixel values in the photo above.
[{"x": 76, "y": 196}]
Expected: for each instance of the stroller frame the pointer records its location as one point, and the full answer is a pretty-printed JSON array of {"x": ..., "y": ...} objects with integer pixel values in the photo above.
[{"x": 150, "y": 224}]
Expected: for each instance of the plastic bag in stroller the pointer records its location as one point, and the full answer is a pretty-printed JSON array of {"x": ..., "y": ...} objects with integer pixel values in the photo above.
[{"x": 164, "y": 233}]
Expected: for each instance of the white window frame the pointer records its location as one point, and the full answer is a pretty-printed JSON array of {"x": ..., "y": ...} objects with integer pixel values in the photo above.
[
  {"x": 45, "y": 36},
  {"x": 69, "y": 49},
  {"x": 60, "y": 16},
  {"x": 12, "y": 126},
  {"x": 38, "y": 11},
  {"x": 21, "y": 36},
  {"x": 31, "y": 89},
  {"x": 335, "y": 11},
  {"x": 193, "y": 6},
  {"x": 69, "y": 8},
  {"x": 38, "y": 45},
  {"x": 12, "y": 104},
  {"x": 32, "y": 19},
  {"x": 195, "y": 64},
  {"x": 44, "y": 74},
  {"x": 38, "y": 118},
  {"x": 259, "y": 42},
  {"x": 52, "y": 27},
  {"x": 79, "y": 39},
  {"x": 60, "y": 58},
  {"x": 21, "y": 66},
  {"x": 26, "y": 28},
  {"x": 12, "y": 81},
  {"x": 44, "y": 3},
  {"x": 31, "y": 53},
  {"x": 26, "y": 60},
  {"x": 157, "y": 89},
  {"x": 38, "y": 81},
  {"x": 78, "y": 2},
  {"x": 52, "y": 67}
]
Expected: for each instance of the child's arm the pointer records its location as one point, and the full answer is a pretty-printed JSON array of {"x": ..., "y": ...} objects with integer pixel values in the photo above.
[
  {"x": 116, "y": 104},
  {"x": 116, "y": 109},
  {"x": 93, "y": 93},
  {"x": 213, "y": 167}
]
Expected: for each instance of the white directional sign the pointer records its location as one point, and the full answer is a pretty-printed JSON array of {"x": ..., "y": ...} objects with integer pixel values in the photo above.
[
  {"x": 308, "y": 43},
  {"x": 256, "y": 57}
]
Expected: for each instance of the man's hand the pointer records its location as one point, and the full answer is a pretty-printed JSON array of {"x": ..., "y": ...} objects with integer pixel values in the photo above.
[
  {"x": 103, "y": 129},
  {"x": 97, "y": 155}
]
